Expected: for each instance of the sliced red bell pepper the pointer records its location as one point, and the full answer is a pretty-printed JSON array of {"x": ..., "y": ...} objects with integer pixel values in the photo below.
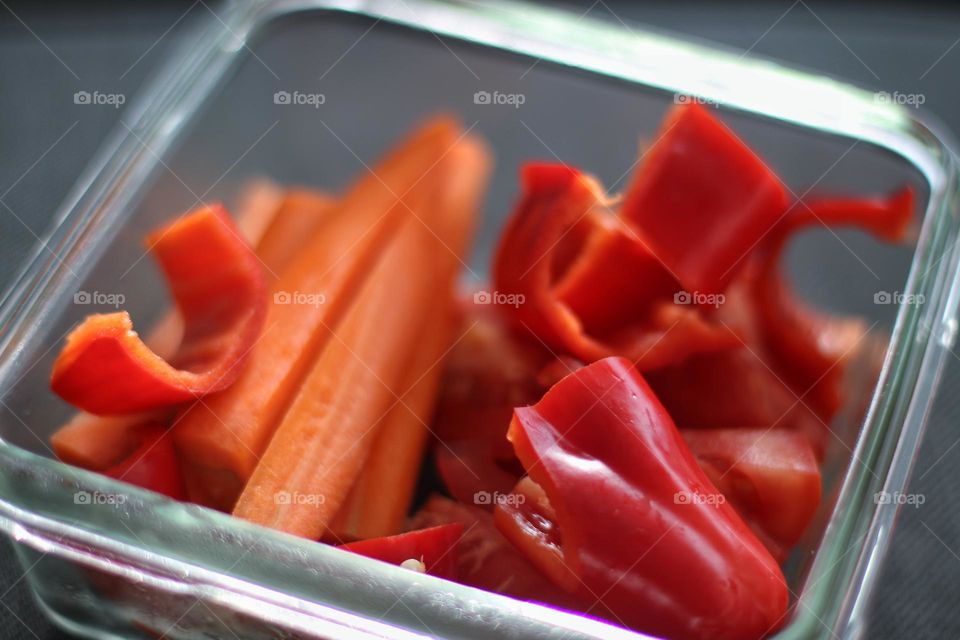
[
  {"x": 639, "y": 526},
  {"x": 434, "y": 547},
  {"x": 556, "y": 279},
  {"x": 487, "y": 373},
  {"x": 736, "y": 387},
  {"x": 770, "y": 476},
  {"x": 812, "y": 347},
  {"x": 218, "y": 286},
  {"x": 886, "y": 217},
  {"x": 486, "y": 560},
  {"x": 702, "y": 199},
  {"x": 153, "y": 465}
]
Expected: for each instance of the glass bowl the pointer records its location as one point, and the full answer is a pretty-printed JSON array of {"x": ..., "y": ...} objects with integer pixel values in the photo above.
[{"x": 107, "y": 560}]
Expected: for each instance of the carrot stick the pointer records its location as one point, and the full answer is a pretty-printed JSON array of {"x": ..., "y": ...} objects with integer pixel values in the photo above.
[
  {"x": 221, "y": 438},
  {"x": 380, "y": 498},
  {"x": 96, "y": 442},
  {"x": 321, "y": 444},
  {"x": 300, "y": 214}
]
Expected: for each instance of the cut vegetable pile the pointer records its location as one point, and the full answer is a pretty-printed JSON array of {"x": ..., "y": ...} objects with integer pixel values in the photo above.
[{"x": 627, "y": 422}]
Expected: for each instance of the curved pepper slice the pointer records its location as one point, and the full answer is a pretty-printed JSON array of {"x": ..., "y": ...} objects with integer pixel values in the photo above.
[
  {"x": 218, "y": 285},
  {"x": 639, "y": 526},
  {"x": 702, "y": 198},
  {"x": 434, "y": 547},
  {"x": 810, "y": 346},
  {"x": 559, "y": 255}
]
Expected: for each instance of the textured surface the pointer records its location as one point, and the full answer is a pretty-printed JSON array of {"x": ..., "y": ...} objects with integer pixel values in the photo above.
[{"x": 48, "y": 53}]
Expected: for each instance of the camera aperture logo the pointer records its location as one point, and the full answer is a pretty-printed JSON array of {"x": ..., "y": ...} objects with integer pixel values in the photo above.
[
  {"x": 900, "y": 498},
  {"x": 295, "y": 497},
  {"x": 299, "y": 98},
  {"x": 685, "y": 98},
  {"x": 904, "y": 99},
  {"x": 514, "y": 100},
  {"x": 482, "y": 498},
  {"x": 299, "y": 298},
  {"x": 97, "y": 98},
  {"x": 698, "y": 298},
  {"x": 898, "y": 298},
  {"x": 695, "y": 497},
  {"x": 99, "y": 298},
  {"x": 96, "y": 497},
  {"x": 495, "y": 297}
]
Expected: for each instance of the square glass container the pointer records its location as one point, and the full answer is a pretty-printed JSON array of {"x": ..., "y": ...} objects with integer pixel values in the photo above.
[{"x": 127, "y": 561}]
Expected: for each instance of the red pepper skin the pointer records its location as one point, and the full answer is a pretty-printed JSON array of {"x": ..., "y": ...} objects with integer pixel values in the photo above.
[
  {"x": 770, "y": 476},
  {"x": 640, "y": 524},
  {"x": 812, "y": 347},
  {"x": 436, "y": 547},
  {"x": 485, "y": 559},
  {"x": 153, "y": 465},
  {"x": 702, "y": 199},
  {"x": 557, "y": 279},
  {"x": 737, "y": 387},
  {"x": 219, "y": 288}
]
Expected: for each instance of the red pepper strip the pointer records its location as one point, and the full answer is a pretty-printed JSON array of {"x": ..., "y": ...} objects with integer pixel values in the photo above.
[
  {"x": 702, "y": 199},
  {"x": 888, "y": 218},
  {"x": 486, "y": 560},
  {"x": 153, "y": 465},
  {"x": 812, "y": 347},
  {"x": 435, "y": 547},
  {"x": 558, "y": 200},
  {"x": 736, "y": 387},
  {"x": 218, "y": 285},
  {"x": 771, "y": 478},
  {"x": 614, "y": 280},
  {"x": 639, "y": 525}
]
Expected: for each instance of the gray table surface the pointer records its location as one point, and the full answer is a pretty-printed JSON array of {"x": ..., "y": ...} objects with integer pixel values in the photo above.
[{"x": 48, "y": 51}]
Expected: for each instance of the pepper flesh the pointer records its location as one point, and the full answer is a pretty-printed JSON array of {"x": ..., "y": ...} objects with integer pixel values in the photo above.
[
  {"x": 218, "y": 285},
  {"x": 637, "y": 516},
  {"x": 702, "y": 199},
  {"x": 557, "y": 280},
  {"x": 435, "y": 547},
  {"x": 153, "y": 465},
  {"x": 770, "y": 476}
]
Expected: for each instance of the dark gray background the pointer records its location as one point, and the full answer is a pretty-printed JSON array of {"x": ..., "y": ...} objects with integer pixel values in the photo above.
[{"x": 49, "y": 51}]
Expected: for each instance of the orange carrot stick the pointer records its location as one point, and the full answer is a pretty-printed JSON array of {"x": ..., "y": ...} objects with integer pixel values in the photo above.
[
  {"x": 221, "y": 438},
  {"x": 321, "y": 444},
  {"x": 380, "y": 498},
  {"x": 96, "y": 442}
]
